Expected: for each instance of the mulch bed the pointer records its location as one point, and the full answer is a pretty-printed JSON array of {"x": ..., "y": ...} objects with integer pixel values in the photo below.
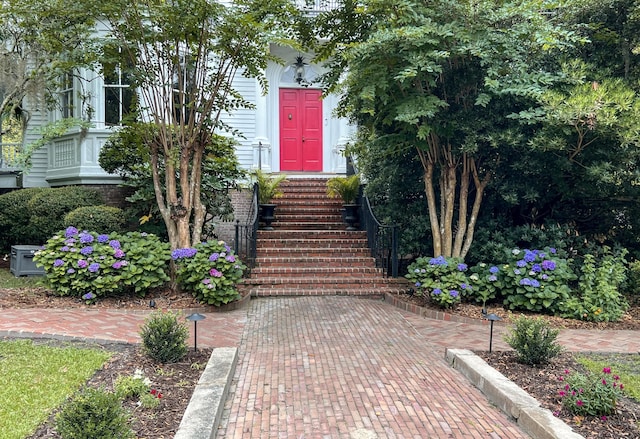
[{"x": 175, "y": 381}]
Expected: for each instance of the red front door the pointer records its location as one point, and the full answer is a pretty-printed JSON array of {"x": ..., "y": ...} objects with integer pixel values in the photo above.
[{"x": 300, "y": 130}]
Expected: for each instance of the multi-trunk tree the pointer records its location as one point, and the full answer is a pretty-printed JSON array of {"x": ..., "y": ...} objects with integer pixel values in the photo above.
[{"x": 451, "y": 80}]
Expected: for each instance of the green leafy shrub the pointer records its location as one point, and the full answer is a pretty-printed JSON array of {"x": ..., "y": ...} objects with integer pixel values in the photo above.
[
  {"x": 591, "y": 394},
  {"x": 132, "y": 386},
  {"x": 14, "y": 219},
  {"x": 535, "y": 280},
  {"x": 487, "y": 284},
  {"x": 533, "y": 340},
  {"x": 94, "y": 414},
  {"x": 210, "y": 271},
  {"x": 77, "y": 263},
  {"x": 164, "y": 338},
  {"x": 441, "y": 279},
  {"x": 106, "y": 218},
  {"x": 600, "y": 299}
]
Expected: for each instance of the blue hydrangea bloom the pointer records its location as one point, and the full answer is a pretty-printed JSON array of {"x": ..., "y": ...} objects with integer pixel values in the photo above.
[
  {"x": 548, "y": 265},
  {"x": 462, "y": 267},
  {"x": 94, "y": 267},
  {"x": 494, "y": 270},
  {"x": 86, "y": 250},
  {"x": 70, "y": 231},
  {"x": 214, "y": 257},
  {"x": 58, "y": 262},
  {"x": 437, "y": 292},
  {"x": 453, "y": 293},
  {"x": 114, "y": 243},
  {"x": 493, "y": 278},
  {"x": 102, "y": 238},
  {"x": 521, "y": 263},
  {"x": 86, "y": 238},
  {"x": 536, "y": 268},
  {"x": 180, "y": 253},
  {"x": 530, "y": 256}
]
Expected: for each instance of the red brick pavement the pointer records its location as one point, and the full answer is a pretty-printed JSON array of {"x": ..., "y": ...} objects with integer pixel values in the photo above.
[{"x": 332, "y": 367}]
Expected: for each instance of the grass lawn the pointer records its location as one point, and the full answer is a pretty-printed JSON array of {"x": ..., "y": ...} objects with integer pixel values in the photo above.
[
  {"x": 36, "y": 379},
  {"x": 8, "y": 280}
]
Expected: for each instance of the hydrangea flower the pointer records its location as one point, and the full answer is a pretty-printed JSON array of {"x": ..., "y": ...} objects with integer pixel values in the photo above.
[
  {"x": 462, "y": 267},
  {"x": 102, "y": 239},
  {"x": 214, "y": 257},
  {"x": 82, "y": 263},
  {"x": 85, "y": 238},
  {"x": 530, "y": 256},
  {"x": 70, "y": 231},
  {"x": 206, "y": 281},
  {"x": 117, "y": 264},
  {"x": 494, "y": 270},
  {"x": 118, "y": 254},
  {"x": 493, "y": 278},
  {"x": 215, "y": 273},
  {"x": 548, "y": 265},
  {"x": 440, "y": 260},
  {"x": 114, "y": 243},
  {"x": 453, "y": 293},
  {"x": 64, "y": 249},
  {"x": 71, "y": 271},
  {"x": 180, "y": 253},
  {"x": 86, "y": 250},
  {"x": 231, "y": 258},
  {"x": 521, "y": 263},
  {"x": 58, "y": 262},
  {"x": 536, "y": 268},
  {"x": 437, "y": 292},
  {"x": 93, "y": 268},
  {"x": 418, "y": 284}
]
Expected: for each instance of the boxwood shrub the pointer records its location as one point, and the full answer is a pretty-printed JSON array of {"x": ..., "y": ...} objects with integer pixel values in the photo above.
[{"x": 106, "y": 218}]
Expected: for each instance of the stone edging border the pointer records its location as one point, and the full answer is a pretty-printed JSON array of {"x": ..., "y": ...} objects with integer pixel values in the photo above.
[
  {"x": 511, "y": 399},
  {"x": 202, "y": 417}
]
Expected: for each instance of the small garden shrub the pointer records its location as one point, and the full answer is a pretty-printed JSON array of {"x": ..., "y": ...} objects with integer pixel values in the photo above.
[
  {"x": 14, "y": 219},
  {"x": 105, "y": 218},
  {"x": 94, "y": 414},
  {"x": 533, "y": 340},
  {"x": 49, "y": 207},
  {"x": 600, "y": 299},
  {"x": 164, "y": 337},
  {"x": 591, "y": 394},
  {"x": 77, "y": 263},
  {"x": 132, "y": 386},
  {"x": 210, "y": 271},
  {"x": 443, "y": 280},
  {"x": 535, "y": 280}
]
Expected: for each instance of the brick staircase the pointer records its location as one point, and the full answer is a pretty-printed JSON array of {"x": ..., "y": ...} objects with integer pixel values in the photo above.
[{"x": 309, "y": 252}]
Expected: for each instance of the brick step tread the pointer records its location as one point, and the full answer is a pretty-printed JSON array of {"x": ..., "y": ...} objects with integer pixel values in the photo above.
[
  {"x": 369, "y": 291},
  {"x": 354, "y": 280},
  {"x": 310, "y": 234},
  {"x": 309, "y": 225},
  {"x": 310, "y": 252},
  {"x": 302, "y": 217},
  {"x": 308, "y": 210},
  {"x": 316, "y": 197},
  {"x": 315, "y": 241},
  {"x": 326, "y": 270}
]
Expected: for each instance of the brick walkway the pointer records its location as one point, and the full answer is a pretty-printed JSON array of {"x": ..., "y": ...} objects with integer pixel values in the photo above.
[{"x": 331, "y": 367}]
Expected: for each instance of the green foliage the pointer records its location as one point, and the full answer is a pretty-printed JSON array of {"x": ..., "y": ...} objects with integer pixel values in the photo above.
[
  {"x": 14, "y": 219},
  {"x": 94, "y": 414},
  {"x": 77, "y": 263},
  {"x": 49, "y": 207},
  {"x": 131, "y": 386},
  {"x": 441, "y": 279},
  {"x": 268, "y": 185},
  {"x": 591, "y": 394},
  {"x": 487, "y": 285},
  {"x": 44, "y": 372},
  {"x": 164, "y": 338},
  {"x": 346, "y": 188},
  {"x": 210, "y": 271},
  {"x": 600, "y": 299},
  {"x": 100, "y": 217},
  {"x": 535, "y": 280},
  {"x": 632, "y": 284},
  {"x": 533, "y": 340}
]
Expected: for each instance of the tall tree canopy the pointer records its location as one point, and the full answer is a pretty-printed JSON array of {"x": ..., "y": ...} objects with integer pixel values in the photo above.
[
  {"x": 184, "y": 57},
  {"x": 452, "y": 80}
]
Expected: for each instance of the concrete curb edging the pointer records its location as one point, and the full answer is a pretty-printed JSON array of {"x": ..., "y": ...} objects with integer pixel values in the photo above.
[
  {"x": 508, "y": 397},
  {"x": 202, "y": 416}
]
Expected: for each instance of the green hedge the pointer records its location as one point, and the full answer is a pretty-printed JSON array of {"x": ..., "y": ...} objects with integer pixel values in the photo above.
[
  {"x": 106, "y": 218},
  {"x": 14, "y": 218}
]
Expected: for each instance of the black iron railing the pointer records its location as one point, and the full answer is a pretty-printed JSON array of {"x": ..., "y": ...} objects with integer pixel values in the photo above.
[
  {"x": 383, "y": 239},
  {"x": 247, "y": 234}
]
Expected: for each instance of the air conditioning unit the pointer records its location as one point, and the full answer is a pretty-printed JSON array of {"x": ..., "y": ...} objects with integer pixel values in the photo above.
[{"x": 22, "y": 261}]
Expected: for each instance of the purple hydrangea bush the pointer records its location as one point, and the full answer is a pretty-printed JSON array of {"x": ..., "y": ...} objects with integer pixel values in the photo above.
[
  {"x": 78, "y": 263},
  {"x": 443, "y": 280},
  {"x": 210, "y": 271}
]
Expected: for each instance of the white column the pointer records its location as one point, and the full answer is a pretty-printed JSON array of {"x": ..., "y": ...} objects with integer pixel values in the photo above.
[{"x": 261, "y": 144}]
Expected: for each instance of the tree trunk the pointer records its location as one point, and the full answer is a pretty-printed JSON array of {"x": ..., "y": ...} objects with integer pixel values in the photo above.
[
  {"x": 430, "y": 193},
  {"x": 462, "y": 207}
]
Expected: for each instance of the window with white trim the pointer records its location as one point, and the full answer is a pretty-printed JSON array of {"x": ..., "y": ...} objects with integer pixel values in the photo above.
[
  {"x": 67, "y": 95},
  {"x": 118, "y": 93}
]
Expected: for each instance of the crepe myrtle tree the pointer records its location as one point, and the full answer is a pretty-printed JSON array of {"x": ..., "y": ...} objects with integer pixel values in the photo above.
[
  {"x": 184, "y": 57},
  {"x": 449, "y": 79}
]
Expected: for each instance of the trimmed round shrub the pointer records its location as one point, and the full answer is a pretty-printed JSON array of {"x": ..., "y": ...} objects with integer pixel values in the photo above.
[
  {"x": 106, "y": 218},
  {"x": 210, "y": 271},
  {"x": 94, "y": 414},
  {"x": 49, "y": 207},
  {"x": 533, "y": 340},
  {"x": 14, "y": 219},
  {"x": 91, "y": 265},
  {"x": 164, "y": 337}
]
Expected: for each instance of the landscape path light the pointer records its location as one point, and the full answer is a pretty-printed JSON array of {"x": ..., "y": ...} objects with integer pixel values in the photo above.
[{"x": 195, "y": 318}]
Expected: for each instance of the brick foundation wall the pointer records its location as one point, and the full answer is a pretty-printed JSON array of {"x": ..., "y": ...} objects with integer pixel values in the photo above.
[
  {"x": 113, "y": 195},
  {"x": 241, "y": 201}
]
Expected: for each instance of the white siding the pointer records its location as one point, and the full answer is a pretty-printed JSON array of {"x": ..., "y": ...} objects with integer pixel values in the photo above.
[
  {"x": 36, "y": 176},
  {"x": 244, "y": 120}
]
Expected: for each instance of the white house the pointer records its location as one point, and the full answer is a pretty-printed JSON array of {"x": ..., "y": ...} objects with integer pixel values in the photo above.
[{"x": 291, "y": 130}]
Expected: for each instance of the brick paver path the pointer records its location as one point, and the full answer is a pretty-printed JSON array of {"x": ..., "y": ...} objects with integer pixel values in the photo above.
[
  {"x": 341, "y": 367},
  {"x": 331, "y": 367}
]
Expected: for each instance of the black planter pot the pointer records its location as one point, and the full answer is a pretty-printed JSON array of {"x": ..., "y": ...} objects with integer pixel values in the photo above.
[
  {"x": 351, "y": 216},
  {"x": 267, "y": 215}
]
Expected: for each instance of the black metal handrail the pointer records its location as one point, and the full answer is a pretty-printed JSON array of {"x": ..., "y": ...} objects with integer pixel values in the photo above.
[
  {"x": 247, "y": 234},
  {"x": 382, "y": 239}
]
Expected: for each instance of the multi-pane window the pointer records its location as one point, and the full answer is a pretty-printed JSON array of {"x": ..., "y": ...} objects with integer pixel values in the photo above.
[
  {"x": 67, "y": 95},
  {"x": 118, "y": 94}
]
